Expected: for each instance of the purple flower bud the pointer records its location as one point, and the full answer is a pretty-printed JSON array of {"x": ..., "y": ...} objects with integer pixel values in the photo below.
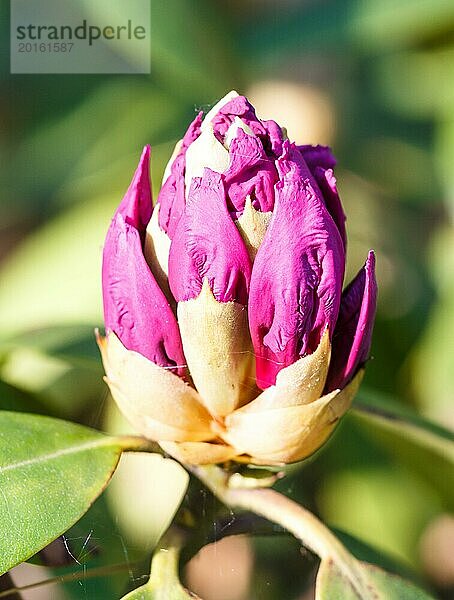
[
  {"x": 297, "y": 275},
  {"x": 135, "y": 308},
  {"x": 248, "y": 244},
  {"x": 353, "y": 334}
]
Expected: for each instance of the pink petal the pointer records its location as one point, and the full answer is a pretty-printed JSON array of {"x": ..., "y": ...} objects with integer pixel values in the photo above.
[
  {"x": 327, "y": 184},
  {"x": 134, "y": 306},
  {"x": 297, "y": 275},
  {"x": 236, "y": 107},
  {"x": 136, "y": 206},
  {"x": 274, "y": 136},
  {"x": 353, "y": 333},
  {"x": 321, "y": 161},
  {"x": 207, "y": 244},
  {"x": 318, "y": 156},
  {"x": 250, "y": 173},
  {"x": 171, "y": 198}
]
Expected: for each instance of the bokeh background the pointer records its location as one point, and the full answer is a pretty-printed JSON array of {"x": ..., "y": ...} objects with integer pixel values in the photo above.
[{"x": 372, "y": 79}]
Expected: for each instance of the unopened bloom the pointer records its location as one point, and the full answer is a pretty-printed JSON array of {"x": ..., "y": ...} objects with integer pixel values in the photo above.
[{"x": 228, "y": 334}]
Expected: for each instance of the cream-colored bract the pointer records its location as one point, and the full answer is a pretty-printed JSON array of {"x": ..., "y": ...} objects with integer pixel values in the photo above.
[
  {"x": 285, "y": 423},
  {"x": 199, "y": 453},
  {"x": 204, "y": 152},
  {"x": 232, "y": 131},
  {"x": 300, "y": 383},
  {"x": 271, "y": 435},
  {"x": 218, "y": 350},
  {"x": 159, "y": 404},
  {"x": 252, "y": 226}
]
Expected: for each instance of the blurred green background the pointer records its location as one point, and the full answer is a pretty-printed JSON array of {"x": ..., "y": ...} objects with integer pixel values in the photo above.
[{"x": 372, "y": 79}]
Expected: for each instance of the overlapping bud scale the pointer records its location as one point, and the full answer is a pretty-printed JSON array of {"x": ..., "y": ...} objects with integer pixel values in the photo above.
[{"x": 228, "y": 336}]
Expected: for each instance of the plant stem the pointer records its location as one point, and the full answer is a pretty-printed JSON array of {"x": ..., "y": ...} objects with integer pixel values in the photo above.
[
  {"x": 283, "y": 511},
  {"x": 164, "y": 567},
  {"x": 132, "y": 443}
]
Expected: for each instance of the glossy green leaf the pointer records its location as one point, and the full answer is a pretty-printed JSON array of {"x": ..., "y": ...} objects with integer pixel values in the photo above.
[
  {"x": 51, "y": 471},
  {"x": 163, "y": 583},
  {"x": 333, "y": 585}
]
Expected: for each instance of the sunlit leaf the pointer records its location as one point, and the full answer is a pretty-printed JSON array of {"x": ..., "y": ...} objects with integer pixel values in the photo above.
[
  {"x": 333, "y": 585},
  {"x": 50, "y": 473}
]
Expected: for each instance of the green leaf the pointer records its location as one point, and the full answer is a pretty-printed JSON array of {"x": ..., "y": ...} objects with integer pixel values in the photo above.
[
  {"x": 332, "y": 585},
  {"x": 51, "y": 471},
  {"x": 425, "y": 447},
  {"x": 163, "y": 583}
]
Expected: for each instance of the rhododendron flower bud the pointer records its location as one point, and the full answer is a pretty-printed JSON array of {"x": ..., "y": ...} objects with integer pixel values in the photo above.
[{"x": 228, "y": 336}]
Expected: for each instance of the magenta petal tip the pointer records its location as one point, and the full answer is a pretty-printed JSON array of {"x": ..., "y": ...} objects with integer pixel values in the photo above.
[
  {"x": 137, "y": 205},
  {"x": 353, "y": 334}
]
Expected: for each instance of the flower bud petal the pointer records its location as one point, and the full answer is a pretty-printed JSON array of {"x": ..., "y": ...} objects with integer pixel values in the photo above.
[
  {"x": 327, "y": 184},
  {"x": 294, "y": 294},
  {"x": 353, "y": 334},
  {"x": 217, "y": 107},
  {"x": 207, "y": 245},
  {"x": 136, "y": 206},
  {"x": 171, "y": 198},
  {"x": 135, "y": 308},
  {"x": 321, "y": 161},
  {"x": 160, "y": 405},
  {"x": 156, "y": 251},
  {"x": 283, "y": 435},
  {"x": 218, "y": 350},
  {"x": 168, "y": 167},
  {"x": 199, "y": 453},
  {"x": 250, "y": 173},
  {"x": 232, "y": 131},
  {"x": 317, "y": 156},
  {"x": 234, "y": 108},
  {"x": 275, "y": 137},
  {"x": 237, "y": 106}
]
